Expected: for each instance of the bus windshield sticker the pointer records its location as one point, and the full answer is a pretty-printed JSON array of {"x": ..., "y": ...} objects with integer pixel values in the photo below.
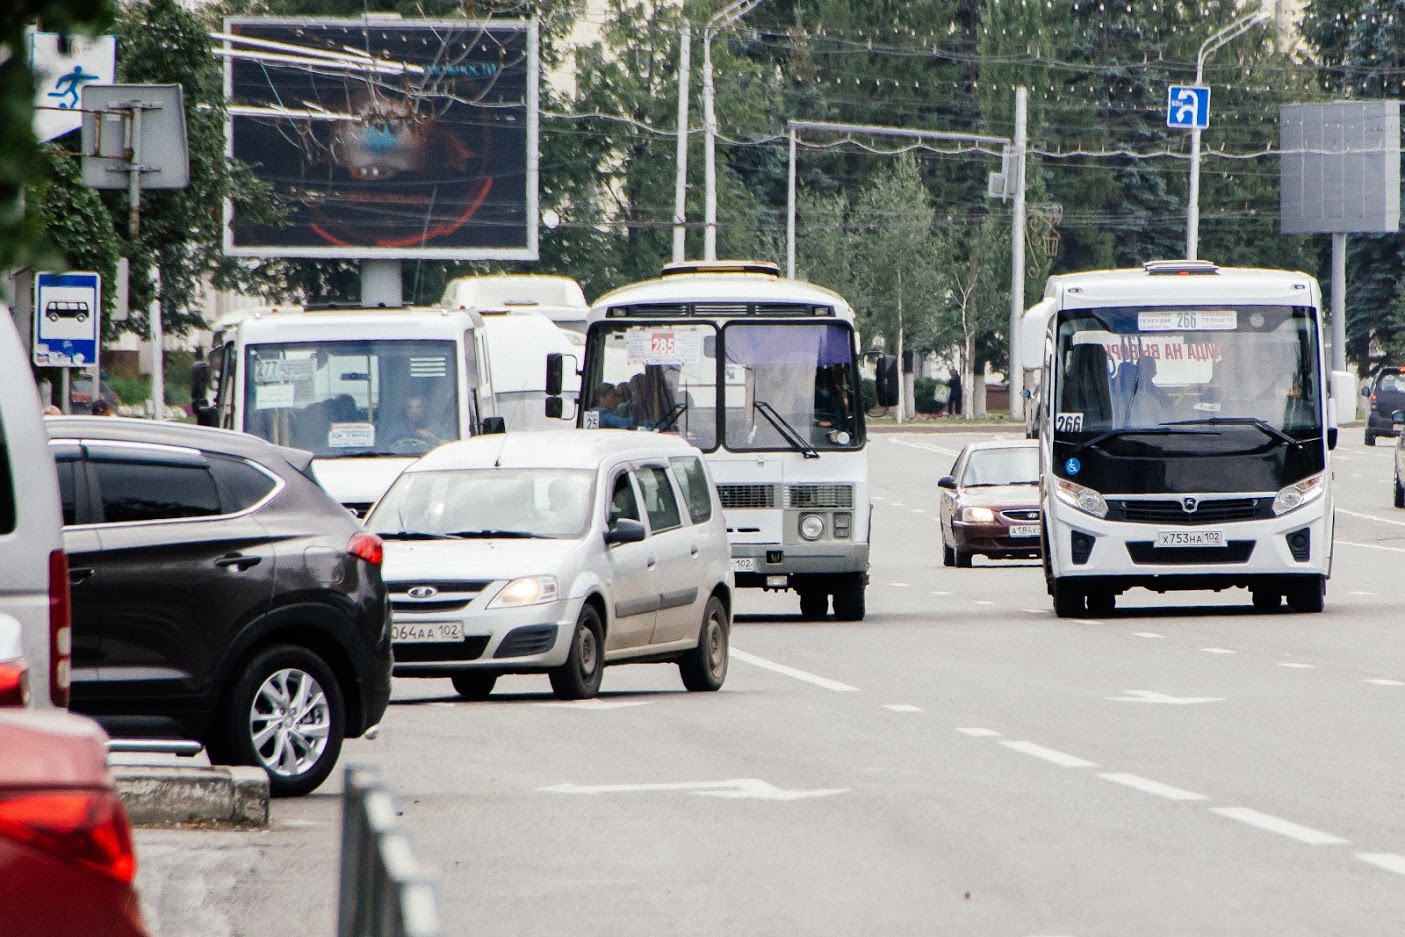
[
  {"x": 664, "y": 346},
  {"x": 284, "y": 370},
  {"x": 1068, "y": 423},
  {"x": 591, "y": 420},
  {"x": 351, "y": 435},
  {"x": 274, "y": 396},
  {"x": 1073, "y": 466},
  {"x": 1188, "y": 320}
]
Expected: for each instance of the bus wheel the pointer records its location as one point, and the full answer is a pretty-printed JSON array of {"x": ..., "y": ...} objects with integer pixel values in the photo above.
[
  {"x": 814, "y": 603},
  {"x": 1309, "y": 595},
  {"x": 1266, "y": 600},
  {"x": 849, "y": 599},
  {"x": 1069, "y": 600},
  {"x": 1399, "y": 494},
  {"x": 1101, "y": 603}
]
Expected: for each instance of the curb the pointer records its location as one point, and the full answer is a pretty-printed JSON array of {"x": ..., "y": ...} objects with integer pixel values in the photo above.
[{"x": 160, "y": 794}]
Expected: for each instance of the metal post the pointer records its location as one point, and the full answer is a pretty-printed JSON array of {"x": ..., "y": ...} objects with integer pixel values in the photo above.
[
  {"x": 158, "y": 356},
  {"x": 134, "y": 170},
  {"x": 1017, "y": 239},
  {"x": 65, "y": 390},
  {"x": 680, "y": 185},
  {"x": 1338, "y": 302},
  {"x": 709, "y": 152},
  {"x": 1192, "y": 212},
  {"x": 790, "y": 210}
]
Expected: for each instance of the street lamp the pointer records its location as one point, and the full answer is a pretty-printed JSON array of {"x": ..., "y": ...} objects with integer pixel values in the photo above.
[
  {"x": 1231, "y": 32},
  {"x": 726, "y": 17}
]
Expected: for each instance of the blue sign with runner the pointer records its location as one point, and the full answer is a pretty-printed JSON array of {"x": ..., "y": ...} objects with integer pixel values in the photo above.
[
  {"x": 67, "y": 319},
  {"x": 1188, "y": 107}
]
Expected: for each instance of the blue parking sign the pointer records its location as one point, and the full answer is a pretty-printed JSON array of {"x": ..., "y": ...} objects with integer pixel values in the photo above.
[
  {"x": 1188, "y": 107},
  {"x": 67, "y": 319}
]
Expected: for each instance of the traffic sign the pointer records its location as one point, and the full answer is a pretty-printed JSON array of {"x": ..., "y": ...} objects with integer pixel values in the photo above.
[
  {"x": 1188, "y": 107},
  {"x": 62, "y": 65},
  {"x": 67, "y": 319}
]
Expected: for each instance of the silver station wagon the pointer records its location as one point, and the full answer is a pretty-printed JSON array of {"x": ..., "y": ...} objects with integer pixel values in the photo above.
[{"x": 559, "y": 553}]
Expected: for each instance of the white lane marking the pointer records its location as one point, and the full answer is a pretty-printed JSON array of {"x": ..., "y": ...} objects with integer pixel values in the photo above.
[
  {"x": 896, "y": 504},
  {"x": 1048, "y": 754},
  {"x": 1385, "y": 860},
  {"x": 978, "y": 733},
  {"x": 1371, "y": 517},
  {"x": 899, "y": 585},
  {"x": 903, "y": 708},
  {"x": 1383, "y": 681},
  {"x": 981, "y": 602},
  {"x": 765, "y": 664},
  {"x": 1357, "y": 475},
  {"x": 1359, "y": 592},
  {"x": 941, "y": 593},
  {"x": 1148, "y": 634},
  {"x": 741, "y": 788},
  {"x": 598, "y": 705},
  {"x": 1150, "y": 696},
  {"x": 1034, "y": 611},
  {"x": 877, "y": 497},
  {"x": 1369, "y": 546},
  {"x": 450, "y": 705},
  {"x": 1297, "y": 666},
  {"x": 927, "y": 446},
  {"x": 1272, "y": 824},
  {"x": 1218, "y": 650},
  {"x": 1152, "y": 787}
]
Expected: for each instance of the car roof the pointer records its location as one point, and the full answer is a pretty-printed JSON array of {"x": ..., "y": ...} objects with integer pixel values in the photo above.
[
  {"x": 722, "y": 288},
  {"x": 565, "y": 448},
  {"x": 210, "y": 439},
  {"x": 1139, "y": 286},
  {"x": 1002, "y": 444}
]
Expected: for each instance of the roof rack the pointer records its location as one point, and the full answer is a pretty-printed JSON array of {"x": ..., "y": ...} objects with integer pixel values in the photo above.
[
  {"x": 765, "y": 267},
  {"x": 1180, "y": 268}
]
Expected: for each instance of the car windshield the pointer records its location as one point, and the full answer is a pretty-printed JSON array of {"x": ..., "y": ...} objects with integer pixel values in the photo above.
[
  {"x": 1014, "y": 466},
  {"x": 485, "y": 503},
  {"x": 353, "y": 398}
]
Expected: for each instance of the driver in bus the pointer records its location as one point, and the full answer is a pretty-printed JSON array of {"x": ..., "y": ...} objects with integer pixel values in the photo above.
[
  {"x": 415, "y": 423},
  {"x": 607, "y": 402}
]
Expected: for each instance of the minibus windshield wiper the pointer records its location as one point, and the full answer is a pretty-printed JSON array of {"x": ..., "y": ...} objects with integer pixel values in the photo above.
[
  {"x": 414, "y": 535},
  {"x": 1166, "y": 430},
  {"x": 786, "y": 430},
  {"x": 498, "y": 535},
  {"x": 1267, "y": 428},
  {"x": 663, "y": 425}
]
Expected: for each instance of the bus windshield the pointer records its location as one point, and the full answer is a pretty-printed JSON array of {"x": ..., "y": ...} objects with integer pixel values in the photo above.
[
  {"x": 1120, "y": 370},
  {"x": 352, "y": 398}
]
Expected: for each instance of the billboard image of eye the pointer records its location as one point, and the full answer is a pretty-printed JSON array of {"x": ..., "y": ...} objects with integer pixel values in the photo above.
[{"x": 405, "y": 139}]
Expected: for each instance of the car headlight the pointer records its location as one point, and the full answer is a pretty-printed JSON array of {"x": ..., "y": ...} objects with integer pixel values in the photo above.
[
  {"x": 812, "y": 527},
  {"x": 1084, "y": 499},
  {"x": 528, "y": 590},
  {"x": 1295, "y": 496},
  {"x": 977, "y": 515}
]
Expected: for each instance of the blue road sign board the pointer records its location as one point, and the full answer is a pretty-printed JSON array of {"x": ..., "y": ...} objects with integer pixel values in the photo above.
[
  {"x": 1188, "y": 107},
  {"x": 67, "y": 319}
]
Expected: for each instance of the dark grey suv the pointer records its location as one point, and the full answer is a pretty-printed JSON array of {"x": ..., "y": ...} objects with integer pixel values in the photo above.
[
  {"x": 1386, "y": 395},
  {"x": 219, "y": 594}
]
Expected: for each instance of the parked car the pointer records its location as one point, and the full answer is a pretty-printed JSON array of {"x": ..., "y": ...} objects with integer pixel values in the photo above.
[
  {"x": 81, "y": 392},
  {"x": 66, "y": 857},
  {"x": 1386, "y": 394},
  {"x": 990, "y": 502},
  {"x": 35, "y": 572},
  {"x": 220, "y": 595},
  {"x": 557, "y": 552},
  {"x": 1398, "y": 420}
]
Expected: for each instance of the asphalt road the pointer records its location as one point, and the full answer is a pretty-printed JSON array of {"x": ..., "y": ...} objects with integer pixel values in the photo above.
[{"x": 962, "y": 762}]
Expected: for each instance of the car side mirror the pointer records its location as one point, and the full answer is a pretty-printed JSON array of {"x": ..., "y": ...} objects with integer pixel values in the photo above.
[
  {"x": 946, "y": 481},
  {"x": 553, "y": 374},
  {"x": 624, "y": 530},
  {"x": 886, "y": 380},
  {"x": 1332, "y": 438},
  {"x": 554, "y": 408},
  {"x": 492, "y": 425}
]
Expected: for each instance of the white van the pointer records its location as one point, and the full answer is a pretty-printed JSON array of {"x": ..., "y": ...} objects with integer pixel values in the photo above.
[
  {"x": 34, "y": 586},
  {"x": 560, "y": 299}
]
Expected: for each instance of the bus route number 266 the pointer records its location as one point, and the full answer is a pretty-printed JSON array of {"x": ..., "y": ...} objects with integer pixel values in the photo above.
[{"x": 1068, "y": 423}]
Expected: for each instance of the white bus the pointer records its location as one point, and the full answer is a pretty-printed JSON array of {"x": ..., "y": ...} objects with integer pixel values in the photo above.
[
  {"x": 762, "y": 374},
  {"x": 1185, "y": 434}
]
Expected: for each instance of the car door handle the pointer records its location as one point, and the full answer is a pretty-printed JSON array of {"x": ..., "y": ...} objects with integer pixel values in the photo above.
[
  {"x": 81, "y": 574},
  {"x": 238, "y": 561}
]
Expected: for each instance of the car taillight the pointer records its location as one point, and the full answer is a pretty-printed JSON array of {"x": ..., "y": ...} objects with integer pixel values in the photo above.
[
  {"x": 367, "y": 547},
  {"x": 86, "y": 827},
  {"x": 60, "y": 630},
  {"x": 14, "y": 683}
]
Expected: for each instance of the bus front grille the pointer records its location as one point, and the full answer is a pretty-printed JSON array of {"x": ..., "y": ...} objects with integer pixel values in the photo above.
[
  {"x": 735, "y": 497},
  {"x": 1207, "y": 511},
  {"x": 819, "y": 496}
]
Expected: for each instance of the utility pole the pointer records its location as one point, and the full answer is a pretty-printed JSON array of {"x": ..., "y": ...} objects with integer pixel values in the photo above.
[
  {"x": 680, "y": 185},
  {"x": 790, "y": 208},
  {"x": 726, "y": 17},
  {"x": 1017, "y": 239}
]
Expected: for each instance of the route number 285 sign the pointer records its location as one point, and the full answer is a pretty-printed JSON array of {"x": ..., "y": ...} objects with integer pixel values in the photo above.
[{"x": 666, "y": 345}]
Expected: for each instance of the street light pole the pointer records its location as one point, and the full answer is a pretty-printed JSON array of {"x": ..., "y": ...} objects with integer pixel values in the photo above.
[
  {"x": 1231, "y": 32},
  {"x": 680, "y": 185},
  {"x": 726, "y": 17}
]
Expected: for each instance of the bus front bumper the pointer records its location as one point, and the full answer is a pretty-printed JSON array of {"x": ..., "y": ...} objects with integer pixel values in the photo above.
[{"x": 770, "y": 566}]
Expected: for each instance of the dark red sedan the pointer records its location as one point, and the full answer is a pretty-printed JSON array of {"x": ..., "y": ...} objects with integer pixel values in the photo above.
[
  {"x": 990, "y": 502},
  {"x": 66, "y": 859}
]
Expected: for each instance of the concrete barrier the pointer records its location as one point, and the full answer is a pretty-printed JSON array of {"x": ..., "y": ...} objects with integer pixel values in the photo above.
[{"x": 162, "y": 794}]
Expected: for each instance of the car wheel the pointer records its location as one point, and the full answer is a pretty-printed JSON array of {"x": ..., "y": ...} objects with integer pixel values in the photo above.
[
  {"x": 1101, "y": 603},
  {"x": 704, "y": 668},
  {"x": 474, "y": 684},
  {"x": 814, "y": 604},
  {"x": 948, "y": 555},
  {"x": 286, "y": 717},
  {"x": 963, "y": 558},
  {"x": 1399, "y": 493},
  {"x": 1069, "y": 600},
  {"x": 579, "y": 677},
  {"x": 1266, "y": 600},
  {"x": 849, "y": 599},
  {"x": 1309, "y": 596},
  {"x": 1370, "y": 438}
]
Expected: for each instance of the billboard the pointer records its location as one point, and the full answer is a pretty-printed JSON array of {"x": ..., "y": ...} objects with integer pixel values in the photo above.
[
  {"x": 408, "y": 139},
  {"x": 1339, "y": 171}
]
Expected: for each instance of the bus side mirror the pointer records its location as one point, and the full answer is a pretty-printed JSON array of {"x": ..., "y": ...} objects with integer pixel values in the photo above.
[
  {"x": 553, "y": 408},
  {"x": 886, "y": 380},
  {"x": 553, "y": 374},
  {"x": 1332, "y": 438},
  {"x": 492, "y": 425}
]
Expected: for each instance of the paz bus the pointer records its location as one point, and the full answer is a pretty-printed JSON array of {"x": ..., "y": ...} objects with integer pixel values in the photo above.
[
  {"x": 1185, "y": 434},
  {"x": 761, "y": 373}
]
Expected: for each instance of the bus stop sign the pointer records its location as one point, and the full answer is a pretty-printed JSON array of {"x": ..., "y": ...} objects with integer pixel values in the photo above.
[{"x": 67, "y": 319}]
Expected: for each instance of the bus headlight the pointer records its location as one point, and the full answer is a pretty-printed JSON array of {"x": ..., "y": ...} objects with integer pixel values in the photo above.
[
  {"x": 529, "y": 590},
  {"x": 1084, "y": 499},
  {"x": 977, "y": 516},
  {"x": 1295, "y": 496},
  {"x": 812, "y": 526}
]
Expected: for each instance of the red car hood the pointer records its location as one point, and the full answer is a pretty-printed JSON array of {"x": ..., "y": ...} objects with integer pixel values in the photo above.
[{"x": 1003, "y": 497}]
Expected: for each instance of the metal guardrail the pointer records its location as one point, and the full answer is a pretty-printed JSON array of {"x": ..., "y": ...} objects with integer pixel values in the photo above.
[
  {"x": 384, "y": 892},
  {"x": 185, "y": 748}
]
